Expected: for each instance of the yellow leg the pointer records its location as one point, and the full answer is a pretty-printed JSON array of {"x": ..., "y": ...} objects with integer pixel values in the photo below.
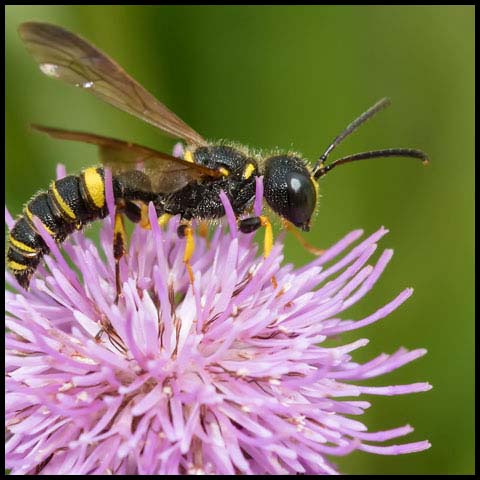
[
  {"x": 268, "y": 243},
  {"x": 268, "y": 238},
  {"x": 307, "y": 246},
  {"x": 144, "y": 221},
  {"x": 251, "y": 224},
  {"x": 186, "y": 231},
  {"x": 119, "y": 249}
]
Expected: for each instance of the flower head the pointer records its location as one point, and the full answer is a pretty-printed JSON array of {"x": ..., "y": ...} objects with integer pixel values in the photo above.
[{"x": 228, "y": 376}]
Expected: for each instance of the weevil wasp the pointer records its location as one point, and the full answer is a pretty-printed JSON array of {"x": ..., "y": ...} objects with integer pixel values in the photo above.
[{"x": 188, "y": 186}]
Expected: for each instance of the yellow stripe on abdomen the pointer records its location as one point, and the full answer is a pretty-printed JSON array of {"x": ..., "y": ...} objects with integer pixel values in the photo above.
[
  {"x": 15, "y": 266},
  {"x": 61, "y": 202},
  {"x": 20, "y": 245},
  {"x": 29, "y": 215},
  {"x": 95, "y": 186}
]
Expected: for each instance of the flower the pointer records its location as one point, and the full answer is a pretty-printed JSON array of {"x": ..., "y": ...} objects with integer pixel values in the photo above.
[{"x": 228, "y": 376}]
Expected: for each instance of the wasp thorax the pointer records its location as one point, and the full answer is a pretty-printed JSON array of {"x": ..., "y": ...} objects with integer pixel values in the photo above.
[{"x": 289, "y": 189}]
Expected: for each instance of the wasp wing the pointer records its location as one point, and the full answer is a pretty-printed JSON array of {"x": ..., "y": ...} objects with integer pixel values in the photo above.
[
  {"x": 64, "y": 55},
  {"x": 166, "y": 173}
]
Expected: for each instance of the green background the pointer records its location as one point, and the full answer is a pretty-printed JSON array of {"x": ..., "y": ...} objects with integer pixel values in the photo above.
[{"x": 295, "y": 77}]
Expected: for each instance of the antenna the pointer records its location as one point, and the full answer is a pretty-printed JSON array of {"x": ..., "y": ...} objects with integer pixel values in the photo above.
[
  {"x": 389, "y": 152},
  {"x": 320, "y": 169}
]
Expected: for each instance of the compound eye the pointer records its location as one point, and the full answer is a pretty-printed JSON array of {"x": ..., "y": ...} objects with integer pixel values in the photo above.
[{"x": 301, "y": 199}]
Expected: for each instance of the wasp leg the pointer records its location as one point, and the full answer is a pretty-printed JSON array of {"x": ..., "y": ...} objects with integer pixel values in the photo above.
[
  {"x": 250, "y": 224},
  {"x": 133, "y": 212},
  {"x": 307, "y": 246},
  {"x": 186, "y": 231},
  {"x": 119, "y": 249},
  {"x": 139, "y": 214},
  {"x": 144, "y": 222}
]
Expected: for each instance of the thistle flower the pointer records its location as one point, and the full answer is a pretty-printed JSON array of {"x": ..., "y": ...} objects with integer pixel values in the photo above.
[{"x": 228, "y": 376}]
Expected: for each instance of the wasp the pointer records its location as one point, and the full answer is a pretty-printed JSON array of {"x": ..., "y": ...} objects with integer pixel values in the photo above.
[{"x": 189, "y": 186}]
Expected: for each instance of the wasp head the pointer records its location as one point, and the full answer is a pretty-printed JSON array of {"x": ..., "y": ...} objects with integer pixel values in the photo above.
[{"x": 289, "y": 189}]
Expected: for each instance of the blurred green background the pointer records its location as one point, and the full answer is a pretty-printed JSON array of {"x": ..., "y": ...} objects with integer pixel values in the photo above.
[{"x": 294, "y": 77}]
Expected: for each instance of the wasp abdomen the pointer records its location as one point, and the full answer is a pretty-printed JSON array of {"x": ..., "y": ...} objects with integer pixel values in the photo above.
[{"x": 70, "y": 203}]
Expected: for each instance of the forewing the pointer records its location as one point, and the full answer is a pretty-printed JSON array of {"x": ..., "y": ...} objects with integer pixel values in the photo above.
[
  {"x": 65, "y": 56},
  {"x": 167, "y": 173}
]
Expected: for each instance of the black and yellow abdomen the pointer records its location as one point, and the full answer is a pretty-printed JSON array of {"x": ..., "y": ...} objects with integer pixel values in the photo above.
[{"x": 70, "y": 203}]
